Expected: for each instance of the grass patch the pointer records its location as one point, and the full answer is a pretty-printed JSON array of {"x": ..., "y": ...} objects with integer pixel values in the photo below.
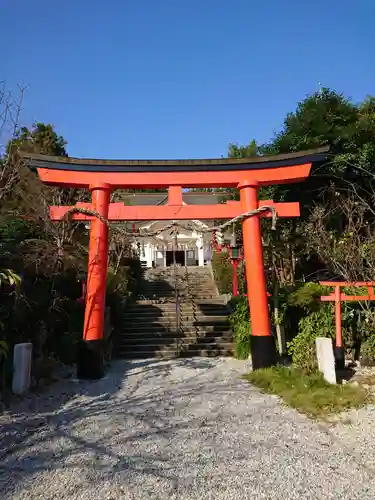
[{"x": 309, "y": 394}]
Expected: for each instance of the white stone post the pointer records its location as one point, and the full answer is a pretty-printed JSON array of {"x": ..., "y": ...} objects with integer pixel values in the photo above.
[
  {"x": 326, "y": 359},
  {"x": 22, "y": 368},
  {"x": 200, "y": 251},
  {"x": 149, "y": 252},
  {"x": 207, "y": 252}
]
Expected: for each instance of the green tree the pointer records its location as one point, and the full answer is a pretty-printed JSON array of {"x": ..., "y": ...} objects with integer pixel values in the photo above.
[
  {"x": 47, "y": 246},
  {"x": 323, "y": 118},
  {"x": 327, "y": 118},
  {"x": 237, "y": 151},
  {"x": 41, "y": 139}
]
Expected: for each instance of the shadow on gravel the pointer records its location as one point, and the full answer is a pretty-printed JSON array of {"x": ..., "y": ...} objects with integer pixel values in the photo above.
[{"x": 57, "y": 430}]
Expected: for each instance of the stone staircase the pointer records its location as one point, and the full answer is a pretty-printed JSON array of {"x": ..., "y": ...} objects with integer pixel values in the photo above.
[{"x": 155, "y": 326}]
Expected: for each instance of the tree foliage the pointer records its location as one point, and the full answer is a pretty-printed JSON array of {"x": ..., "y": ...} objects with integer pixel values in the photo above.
[
  {"x": 40, "y": 139},
  {"x": 236, "y": 151},
  {"x": 48, "y": 257},
  {"x": 325, "y": 118},
  {"x": 334, "y": 236}
]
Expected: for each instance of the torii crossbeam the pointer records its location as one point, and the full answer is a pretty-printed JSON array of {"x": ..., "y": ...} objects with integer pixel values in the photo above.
[{"x": 103, "y": 176}]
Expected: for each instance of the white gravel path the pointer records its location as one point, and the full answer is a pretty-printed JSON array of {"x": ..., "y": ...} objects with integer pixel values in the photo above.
[{"x": 181, "y": 429}]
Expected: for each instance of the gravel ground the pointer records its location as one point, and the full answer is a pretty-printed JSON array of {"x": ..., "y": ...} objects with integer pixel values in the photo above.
[
  {"x": 181, "y": 429},
  {"x": 358, "y": 435}
]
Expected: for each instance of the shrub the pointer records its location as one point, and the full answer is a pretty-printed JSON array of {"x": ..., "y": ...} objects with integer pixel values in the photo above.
[
  {"x": 368, "y": 351},
  {"x": 307, "y": 296},
  {"x": 315, "y": 319},
  {"x": 121, "y": 286},
  {"x": 319, "y": 323},
  {"x": 222, "y": 268},
  {"x": 357, "y": 322},
  {"x": 240, "y": 322}
]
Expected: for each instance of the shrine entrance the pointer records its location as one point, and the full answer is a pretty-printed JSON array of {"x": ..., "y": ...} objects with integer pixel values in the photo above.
[
  {"x": 175, "y": 257},
  {"x": 101, "y": 177}
]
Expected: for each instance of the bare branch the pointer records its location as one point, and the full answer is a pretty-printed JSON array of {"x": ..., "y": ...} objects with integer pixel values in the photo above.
[
  {"x": 10, "y": 161},
  {"x": 342, "y": 234}
]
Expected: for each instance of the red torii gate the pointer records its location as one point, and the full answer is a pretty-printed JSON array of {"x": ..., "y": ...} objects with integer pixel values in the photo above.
[{"x": 101, "y": 177}]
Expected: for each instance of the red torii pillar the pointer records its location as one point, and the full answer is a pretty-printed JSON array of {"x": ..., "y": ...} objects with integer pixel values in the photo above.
[
  {"x": 93, "y": 328},
  {"x": 101, "y": 176},
  {"x": 263, "y": 351}
]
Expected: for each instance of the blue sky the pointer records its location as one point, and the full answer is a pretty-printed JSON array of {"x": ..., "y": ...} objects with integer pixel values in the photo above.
[{"x": 179, "y": 78}]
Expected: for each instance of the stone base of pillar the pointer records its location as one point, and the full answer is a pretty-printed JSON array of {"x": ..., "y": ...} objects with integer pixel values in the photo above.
[
  {"x": 263, "y": 351},
  {"x": 90, "y": 359},
  {"x": 339, "y": 353}
]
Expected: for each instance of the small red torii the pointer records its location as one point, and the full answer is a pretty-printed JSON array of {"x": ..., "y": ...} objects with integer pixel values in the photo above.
[
  {"x": 101, "y": 177},
  {"x": 337, "y": 297}
]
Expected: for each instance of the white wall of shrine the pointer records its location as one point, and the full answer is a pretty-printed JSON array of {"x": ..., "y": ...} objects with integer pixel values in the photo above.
[{"x": 192, "y": 247}]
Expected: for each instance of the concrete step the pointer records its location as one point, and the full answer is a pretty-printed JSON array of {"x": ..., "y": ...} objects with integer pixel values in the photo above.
[
  {"x": 148, "y": 327},
  {"x": 171, "y": 337},
  {"x": 155, "y": 311},
  {"x": 211, "y": 311},
  {"x": 152, "y": 295},
  {"x": 165, "y": 323},
  {"x": 172, "y": 327},
  {"x": 157, "y": 289},
  {"x": 214, "y": 301},
  {"x": 204, "y": 351},
  {"x": 197, "y": 295},
  {"x": 210, "y": 320},
  {"x": 171, "y": 320},
  {"x": 149, "y": 318},
  {"x": 206, "y": 328},
  {"x": 152, "y": 302},
  {"x": 158, "y": 329},
  {"x": 184, "y": 302},
  {"x": 199, "y": 283},
  {"x": 151, "y": 308},
  {"x": 172, "y": 334},
  {"x": 203, "y": 293},
  {"x": 135, "y": 312},
  {"x": 185, "y": 317},
  {"x": 170, "y": 341},
  {"x": 197, "y": 315}
]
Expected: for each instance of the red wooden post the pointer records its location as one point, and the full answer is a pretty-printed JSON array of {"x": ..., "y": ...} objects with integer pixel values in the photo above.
[
  {"x": 263, "y": 349},
  {"x": 234, "y": 278},
  {"x": 90, "y": 358},
  {"x": 338, "y": 316},
  {"x": 81, "y": 300},
  {"x": 175, "y": 196}
]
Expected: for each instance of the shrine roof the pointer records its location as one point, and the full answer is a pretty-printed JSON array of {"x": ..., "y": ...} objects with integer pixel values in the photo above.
[
  {"x": 68, "y": 163},
  {"x": 188, "y": 197}
]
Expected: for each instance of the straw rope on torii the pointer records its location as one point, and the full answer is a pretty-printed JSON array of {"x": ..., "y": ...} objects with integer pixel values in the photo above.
[{"x": 175, "y": 224}]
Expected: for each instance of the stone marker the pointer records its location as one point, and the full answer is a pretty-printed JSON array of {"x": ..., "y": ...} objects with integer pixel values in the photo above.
[
  {"x": 326, "y": 359},
  {"x": 22, "y": 368}
]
